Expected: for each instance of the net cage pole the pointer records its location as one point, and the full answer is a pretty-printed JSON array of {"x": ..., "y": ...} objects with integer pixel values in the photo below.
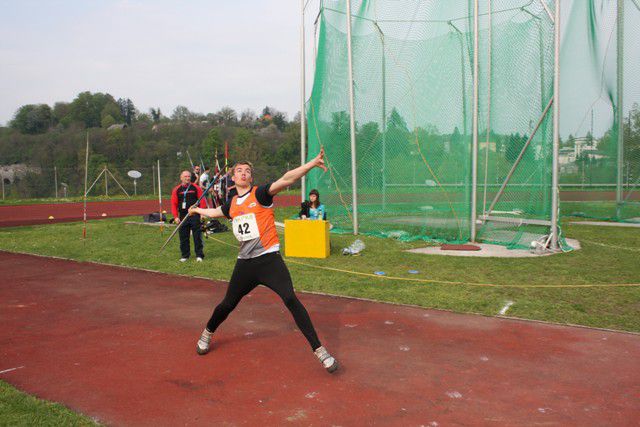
[
  {"x": 55, "y": 179},
  {"x": 303, "y": 133},
  {"x": 488, "y": 118},
  {"x": 84, "y": 198},
  {"x": 352, "y": 124},
  {"x": 556, "y": 130},
  {"x": 474, "y": 148},
  {"x": 384, "y": 118},
  {"x": 620, "y": 106}
]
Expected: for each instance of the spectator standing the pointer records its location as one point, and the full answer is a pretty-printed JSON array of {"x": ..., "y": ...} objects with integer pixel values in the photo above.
[{"x": 183, "y": 196}]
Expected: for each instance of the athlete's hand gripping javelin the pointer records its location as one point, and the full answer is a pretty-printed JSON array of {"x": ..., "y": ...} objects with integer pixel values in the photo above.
[{"x": 243, "y": 177}]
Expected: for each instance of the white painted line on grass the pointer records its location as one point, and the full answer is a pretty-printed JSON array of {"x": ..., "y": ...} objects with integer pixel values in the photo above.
[{"x": 506, "y": 307}]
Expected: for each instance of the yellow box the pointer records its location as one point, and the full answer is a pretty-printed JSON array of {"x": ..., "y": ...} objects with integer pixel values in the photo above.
[{"x": 306, "y": 238}]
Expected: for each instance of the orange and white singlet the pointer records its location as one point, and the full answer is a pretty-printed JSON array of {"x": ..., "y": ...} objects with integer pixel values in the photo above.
[{"x": 253, "y": 225}]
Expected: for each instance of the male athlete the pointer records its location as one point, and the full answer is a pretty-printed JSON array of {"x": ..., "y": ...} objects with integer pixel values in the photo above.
[{"x": 259, "y": 261}]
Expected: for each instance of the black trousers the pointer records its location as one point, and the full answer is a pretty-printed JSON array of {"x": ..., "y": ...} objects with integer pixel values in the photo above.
[
  {"x": 268, "y": 270},
  {"x": 191, "y": 225}
]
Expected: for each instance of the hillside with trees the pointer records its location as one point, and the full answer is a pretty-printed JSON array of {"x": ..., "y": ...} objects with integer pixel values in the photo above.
[{"x": 122, "y": 138}]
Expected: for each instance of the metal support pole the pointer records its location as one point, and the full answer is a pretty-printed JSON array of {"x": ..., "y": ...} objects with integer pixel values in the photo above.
[
  {"x": 474, "y": 153},
  {"x": 620, "y": 108},
  {"x": 352, "y": 123},
  {"x": 2, "y": 177},
  {"x": 543, "y": 85},
  {"x": 488, "y": 124},
  {"x": 94, "y": 182},
  {"x": 303, "y": 131},
  {"x": 384, "y": 126},
  {"x": 153, "y": 178},
  {"x": 55, "y": 179},
  {"x": 546, "y": 9},
  {"x": 160, "y": 198},
  {"x": 555, "y": 174},
  {"x": 384, "y": 119},
  {"x": 106, "y": 182},
  {"x": 117, "y": 182},
  {"x": 86, "y": 173}
]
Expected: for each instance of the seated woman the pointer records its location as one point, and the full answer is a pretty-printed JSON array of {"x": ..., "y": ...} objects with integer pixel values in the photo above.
[{"x": 313, "y": 209}]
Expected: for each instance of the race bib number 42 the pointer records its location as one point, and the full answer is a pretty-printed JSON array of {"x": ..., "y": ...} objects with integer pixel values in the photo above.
[{"x": 245, "y": 227}]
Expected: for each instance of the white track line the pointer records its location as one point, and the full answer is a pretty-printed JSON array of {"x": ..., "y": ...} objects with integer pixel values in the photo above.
[{"x": 11, "y": 369}]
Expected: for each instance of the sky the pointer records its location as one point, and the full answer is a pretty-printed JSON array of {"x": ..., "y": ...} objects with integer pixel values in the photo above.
[
  {"x": 159, "y": 53},
  {"x": 203, "y": 54}
]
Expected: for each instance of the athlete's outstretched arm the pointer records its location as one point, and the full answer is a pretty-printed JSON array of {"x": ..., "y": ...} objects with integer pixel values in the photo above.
[
  {"x": 295, "y": 174},
  {"x": 211, "y": 213}
]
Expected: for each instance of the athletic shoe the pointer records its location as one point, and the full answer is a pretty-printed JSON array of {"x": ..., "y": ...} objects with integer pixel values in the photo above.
[
  {"x": 183, "y": 259},
  {"x": 204, "y": 343},
  {"x": 328, "y": 361},
  {"x": 199, "y": 259}
]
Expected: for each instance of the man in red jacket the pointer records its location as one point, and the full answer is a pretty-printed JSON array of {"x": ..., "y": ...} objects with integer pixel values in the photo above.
[{"x": 183, "y": 196}]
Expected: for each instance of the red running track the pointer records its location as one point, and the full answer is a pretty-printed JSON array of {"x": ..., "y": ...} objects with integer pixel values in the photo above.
[
  {"x": 119, "y": 345},
  {"x": 12, "y": 216}
]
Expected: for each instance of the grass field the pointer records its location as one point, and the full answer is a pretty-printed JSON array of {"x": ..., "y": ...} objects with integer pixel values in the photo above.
[
  {"x": 579, "y": 287},
  {"x": 19, "y": 409}
]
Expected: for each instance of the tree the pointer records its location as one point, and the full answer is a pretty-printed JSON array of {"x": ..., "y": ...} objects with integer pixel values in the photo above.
[
  {"x": 107, "y": 121},
  {"x": 61, "y": 111},
  {"x": 571, "y": 142},
  {"x": 87, "y": 108},
  {"x": 280, "y": 120},
  {"x": 181, "y": 114},
  {"x": 143, "y": 118},
  {"x": 210, "y": 144},
  {"x": 515, "y": 145},
  {"x": 227, "y": 116},
  {"x": 156, "y": 114},
  {"x": 245, "y": 146},
  {"x": 32, "y": 119},
  {"x": 127, "y": 110},
  {"x": 397, "y": 131},
  {"x": 248, "y": 118},
  {"x": 632, "y": 142},
  {"x": 396, "y": 121},
  {"x": 110, "y": 110},
  {"x": 340, "y": 122}
]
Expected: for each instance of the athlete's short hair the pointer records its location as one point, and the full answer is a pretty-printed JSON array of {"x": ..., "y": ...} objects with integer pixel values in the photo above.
[{"x": 242, "y": 163}]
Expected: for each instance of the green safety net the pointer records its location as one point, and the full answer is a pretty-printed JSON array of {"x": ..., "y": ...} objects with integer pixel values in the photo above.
[
  {"x": 413, "y": 102},
  {"x": 600, "y": 165}
]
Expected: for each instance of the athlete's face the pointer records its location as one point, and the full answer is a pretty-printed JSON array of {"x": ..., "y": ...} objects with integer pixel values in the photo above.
[
  {"x": 185, "y": 177},
  {"x": 242, "y": 175}
]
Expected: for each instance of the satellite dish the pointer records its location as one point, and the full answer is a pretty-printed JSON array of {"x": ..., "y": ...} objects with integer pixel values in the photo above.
[{"x": 134, "y": 174}]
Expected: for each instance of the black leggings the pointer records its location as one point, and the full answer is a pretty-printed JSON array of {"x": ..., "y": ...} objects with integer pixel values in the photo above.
[{"x": 268, "y": 270}]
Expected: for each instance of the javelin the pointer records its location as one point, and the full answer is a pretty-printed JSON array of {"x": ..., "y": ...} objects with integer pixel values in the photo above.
[
  {"x": 190, "y": 161},
  {"x": 187, "y": 216}
]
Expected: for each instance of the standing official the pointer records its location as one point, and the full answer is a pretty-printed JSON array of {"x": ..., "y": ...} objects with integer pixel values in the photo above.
[{"x": 183, "y": 196}]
